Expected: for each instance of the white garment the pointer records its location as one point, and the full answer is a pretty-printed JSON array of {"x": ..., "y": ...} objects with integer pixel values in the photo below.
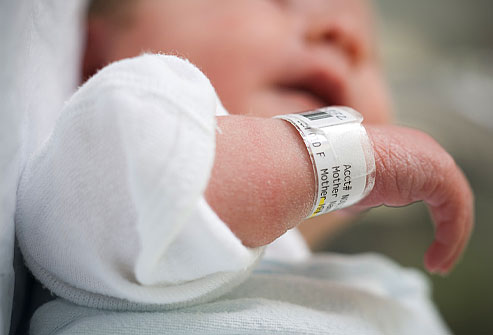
[{"x": 113, "y": 204}]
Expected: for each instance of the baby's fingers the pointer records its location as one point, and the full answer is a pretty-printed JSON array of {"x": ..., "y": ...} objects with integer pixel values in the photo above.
[
  {"x": 451, "y": 207},
  {"x": 411, "y": 166}
]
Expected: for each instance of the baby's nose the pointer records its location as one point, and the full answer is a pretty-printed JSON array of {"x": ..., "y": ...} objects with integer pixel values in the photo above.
[
  {"x": 336, "y": 33},
  {"x": 338, "y": 24}
]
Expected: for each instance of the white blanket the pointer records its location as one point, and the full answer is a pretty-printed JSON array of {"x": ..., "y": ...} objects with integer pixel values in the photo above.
[{"x": 332, "y": 294}]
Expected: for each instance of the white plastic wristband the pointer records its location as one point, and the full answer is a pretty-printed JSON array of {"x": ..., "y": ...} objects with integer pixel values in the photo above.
[{"x": 341, "y": 154}]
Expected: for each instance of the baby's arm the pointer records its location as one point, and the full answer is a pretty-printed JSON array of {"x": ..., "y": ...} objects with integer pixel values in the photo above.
[
  {"x": 113, "y": 206},
  {"x": 262, "y": 182}
]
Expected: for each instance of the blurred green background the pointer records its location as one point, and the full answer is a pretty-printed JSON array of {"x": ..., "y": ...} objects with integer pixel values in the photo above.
[{"x": 438, "y": 56}]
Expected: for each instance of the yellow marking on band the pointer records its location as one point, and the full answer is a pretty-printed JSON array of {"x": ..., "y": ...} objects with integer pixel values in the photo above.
[{"x": 319, "y": 207}]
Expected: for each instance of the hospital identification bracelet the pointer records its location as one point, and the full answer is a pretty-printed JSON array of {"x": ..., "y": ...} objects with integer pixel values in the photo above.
[{"x": 341, "y": 154}]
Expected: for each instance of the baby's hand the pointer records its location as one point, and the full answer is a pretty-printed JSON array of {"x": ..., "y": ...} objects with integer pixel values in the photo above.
[{"x": 411, "y": 166}]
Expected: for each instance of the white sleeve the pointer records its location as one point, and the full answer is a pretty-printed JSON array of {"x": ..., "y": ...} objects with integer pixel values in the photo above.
[{"x": 112, "y": 208}]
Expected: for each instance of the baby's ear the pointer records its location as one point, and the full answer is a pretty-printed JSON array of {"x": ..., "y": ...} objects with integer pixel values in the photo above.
[{"x": 97, "y": 46}]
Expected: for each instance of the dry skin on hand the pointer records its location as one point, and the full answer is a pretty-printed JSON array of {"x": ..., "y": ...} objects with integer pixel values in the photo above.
[{"x": 410, "y": 167}]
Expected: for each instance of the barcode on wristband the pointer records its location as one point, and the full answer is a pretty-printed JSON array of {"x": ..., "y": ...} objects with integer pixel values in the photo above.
[
  {"x": 340, "y": 153},
  {"x": 316, "y": 115}
]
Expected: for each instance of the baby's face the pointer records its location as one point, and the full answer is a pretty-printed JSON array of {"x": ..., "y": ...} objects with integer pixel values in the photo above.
[{"x": 267, "y": 57}]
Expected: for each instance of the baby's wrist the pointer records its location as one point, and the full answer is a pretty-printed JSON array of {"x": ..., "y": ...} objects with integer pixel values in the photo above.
[{"x": 341, "y": 154}]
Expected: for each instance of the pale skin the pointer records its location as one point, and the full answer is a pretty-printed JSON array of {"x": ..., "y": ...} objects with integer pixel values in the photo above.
[{"x": 271, "y": 57}]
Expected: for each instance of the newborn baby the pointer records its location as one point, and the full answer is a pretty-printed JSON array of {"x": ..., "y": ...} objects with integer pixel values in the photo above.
[
  {"x": 273, "y": 57},
  {"x": 151, "y": 214}
]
